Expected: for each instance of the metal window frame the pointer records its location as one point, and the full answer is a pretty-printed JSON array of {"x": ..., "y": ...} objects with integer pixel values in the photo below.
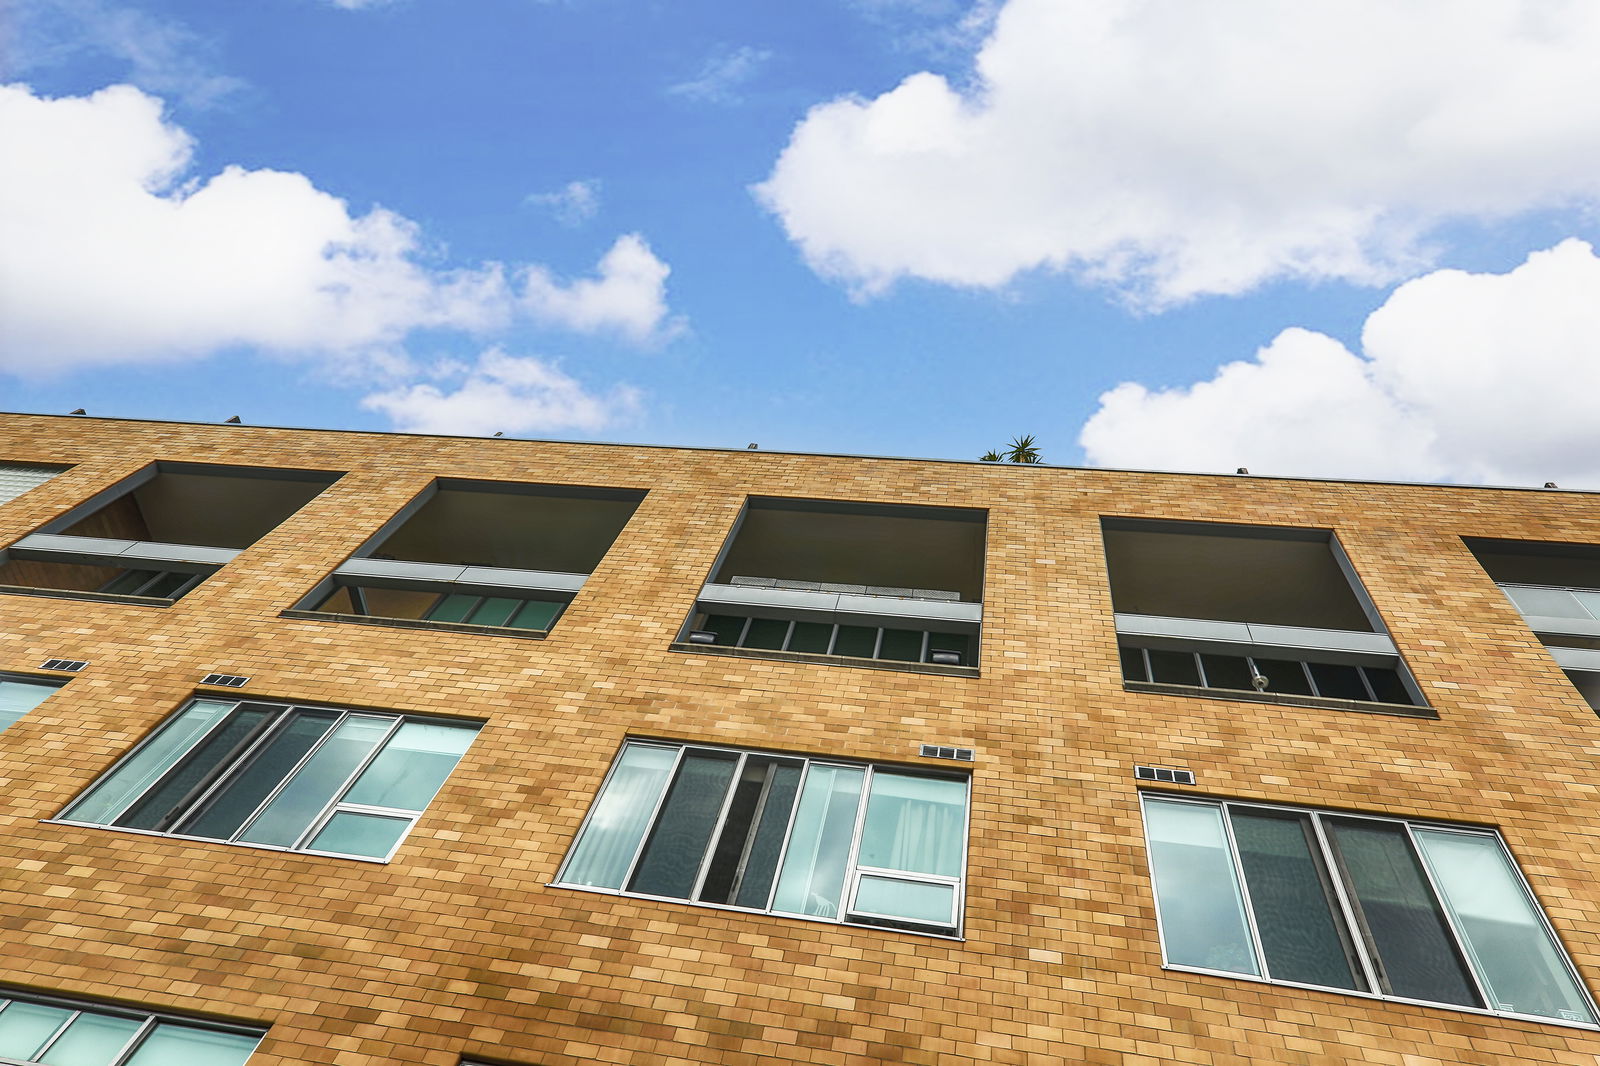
[
  {"x": 242, "y": 757},
  {"x": 853, "y": 871},
  {"x": 148, "y": 1021},
  {"x": 1305, "y": 665},
  {"x": 1346, "y": 910}
]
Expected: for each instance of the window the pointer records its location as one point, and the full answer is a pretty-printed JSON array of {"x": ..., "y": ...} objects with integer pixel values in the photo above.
[
  {"x": 19, "y": 696},
  {"x": 273, "y": 775},
  {"x": 884, "y": 643},
  {"x": 61, "y": 1033},
  {"x": 17, "y": 478},
  {"x": 1284, "y": 675},
  {"x": 812, "y": 838},
  {"x": 1396, "y": 909}
]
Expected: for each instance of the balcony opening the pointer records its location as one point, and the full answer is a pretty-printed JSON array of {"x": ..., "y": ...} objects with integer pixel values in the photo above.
[
  {"x": 478, "y": 555},
  {"x": 1556, "y": 588},
  {"x": 1256, "y": 612},
  {"x": 887, "y": 583},
  {"x": 154, "y": 536}
]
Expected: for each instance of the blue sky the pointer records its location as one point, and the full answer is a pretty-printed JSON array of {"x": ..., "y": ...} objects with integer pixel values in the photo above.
[{"x": 1339, "y": 238}]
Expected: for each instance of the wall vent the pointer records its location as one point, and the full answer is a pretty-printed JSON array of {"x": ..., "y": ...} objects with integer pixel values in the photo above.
[
  {"x": 1164, "y": 775},
  {"x": 939, "y": 751},
  {"x": 224, "y": 680},
  {"x": 74, "y": 665}
]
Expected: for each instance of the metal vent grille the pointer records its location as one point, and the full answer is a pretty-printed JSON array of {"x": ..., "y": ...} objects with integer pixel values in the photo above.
[
  {"x": 1164, "y": 775},
  {"x": 224, "y": 680},
  {"x": 939, "y": 751},
  {"x": 73, "y": 665}
]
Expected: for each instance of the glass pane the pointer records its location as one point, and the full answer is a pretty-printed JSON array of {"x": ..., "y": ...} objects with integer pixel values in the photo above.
[
  {"x": 309, "y": 792},
  {"x": 1513, "y": 952},
  {"x": 1285, "y": 675},
  {"x": 17, "y": 698},
  {"x": 751, "y": 798},
  {"x": 495, "y": 611},
  {"x": 92, "y": 1040},
  {"x": 812, "y": 880},
  {"x": 915, "y": 824},
  {"x": 238, "y": 800},
  {"x": 1338, "y": 682},
  {"x": 412, "y": 765},
  {"x": 727, "y": 627},
  {"x": 761, "y": 861},
  {"x": 1589, "y": 601},
  {"x": 1197, "y": 890},
  {"x": 358, "y": 833},
  {"x": 859, "y": 641},
  {"x": 915, "y": 901},
  {"x": 24, "y": 1027},
  {"x": 128, "y": 582},
  {"x": 165, "y": 584},
  {"x": 157, "y": 807},
  {"x": 1302, "y": 936},
  {"x": 452, "y": 608},
  {"x": 1133, "y": 664},
  {"x": 901, "y": 645},
  {"x": 605, "y": 848},
  {"x": 1173, "y": 667},
  {"x": 766, "y": 633},
  {"x": 1386, "y": 685},
  {"x": 180, "y": 1045},
  {"x": 106, "y": 799},
  {"x": 536, "y": 614},
  {"x": 672, "y": 855},
  {"x": 1417, "y": 955},
  {"x": 1227, "y": 671},
  {"x": 1548, "y": 603},
  {"x": 811, "y": 636}
]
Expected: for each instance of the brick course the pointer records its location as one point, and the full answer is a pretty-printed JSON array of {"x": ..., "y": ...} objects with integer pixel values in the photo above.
[{"x": 459, "y": 947}]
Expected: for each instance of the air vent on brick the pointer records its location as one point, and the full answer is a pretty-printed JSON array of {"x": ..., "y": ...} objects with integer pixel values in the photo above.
[
  {"x": 939, "y": 751},
  {"x": 1164, "y": 775},
  {"x": 73, "y": 665},
  {"x": 224, "y": 680}
]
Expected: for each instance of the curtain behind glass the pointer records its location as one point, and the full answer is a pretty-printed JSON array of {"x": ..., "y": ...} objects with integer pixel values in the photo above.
[
  {"x": 1197, "y": 890},
  {"x": 812, "y": 880},
  {"x": 914, "y": 824},
  {"x": 605, "y": 848},
  {"x": 412, "y": 766},
  {"x": 1514, "y": 953}
]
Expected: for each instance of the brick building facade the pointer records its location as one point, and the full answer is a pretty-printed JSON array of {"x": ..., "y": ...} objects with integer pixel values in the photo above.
[{"x": 1358, "y": 666}]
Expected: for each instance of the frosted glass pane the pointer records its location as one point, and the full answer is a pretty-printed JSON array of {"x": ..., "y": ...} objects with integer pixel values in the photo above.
[
  {"x": 1197, "y": 889},
  {"x": 1549, "y": 603},
  {"x": 17, "y": 698},
  {"x": 26, "y": 1026},
  {"x": 107, "y": 799},
  {"x": 92, "y": 1040},
  {"x": 915, "y": 824},
  {"x": 179, "y": 1045},
  {"x": 912, "y": 900},
  {"x": 310, "y": 791},
  {"x": 605, "y": 848},
  {"x": 356, "y": 833},
  {"x": 812, "y": 880},
  {"x": 1512, "y": 952},
  {"x": 412, "y": 765}
]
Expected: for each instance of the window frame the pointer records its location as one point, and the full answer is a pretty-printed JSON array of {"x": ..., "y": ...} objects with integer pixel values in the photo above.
[
  {"x": 239, "y": 761},
  {"x": 54, "y": 684},
  {"x": 854, "y": 871},
  {"x": 1344, "y": 910},
  {"x": 148, "y": 1020}
]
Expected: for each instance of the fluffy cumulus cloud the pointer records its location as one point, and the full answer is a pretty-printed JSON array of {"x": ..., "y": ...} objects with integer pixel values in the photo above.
[
  {"x": 628, "y": 295},
  {"x": 1171, "y": 149},
  {"x": 1470, "y": 377},
  {"x": 504, "y": 393}
]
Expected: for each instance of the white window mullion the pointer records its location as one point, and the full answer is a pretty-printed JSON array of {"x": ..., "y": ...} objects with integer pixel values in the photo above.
[
  {"x": 350, "y": 779},
  {"x": 1463, "y": 948},
  {"x": 1353, "y": 929},
  {"x": 134, "y": 1041},
  {"x": 284, "y": 783},
  {"x": 721, "y": 824},
  {"x": 788, "y": 829},
  {"x": 1244, "y": 890},
  {"x": 655, "y": 813}
]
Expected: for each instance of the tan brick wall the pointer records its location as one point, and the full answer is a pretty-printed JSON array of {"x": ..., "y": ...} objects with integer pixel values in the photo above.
[{"x": 459, "y": 947}]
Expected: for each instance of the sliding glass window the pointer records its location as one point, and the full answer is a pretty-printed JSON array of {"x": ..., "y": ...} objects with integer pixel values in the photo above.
[
  {"x": 52, "y": 1032},
  {"x": 1382, "y": 907},
  {"x": 813, "y": 838},
  {"x": 274, "y": 775}
]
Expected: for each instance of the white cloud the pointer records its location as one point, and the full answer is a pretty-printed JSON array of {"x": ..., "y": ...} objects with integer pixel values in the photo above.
[
  {"x": 113, "y": 251},
  {"x": 505, "y": 393},
  {"x": 722, "y": 76},
  {"x": 1171, "y": 149},
  {"x": 1469, "y": 377},
  {"x": 573, "y": 204},
  {"x": 627, "y": 297}
]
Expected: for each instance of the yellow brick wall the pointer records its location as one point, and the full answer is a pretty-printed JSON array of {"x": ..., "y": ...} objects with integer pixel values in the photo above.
[{"x": 459, "y": 947}]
